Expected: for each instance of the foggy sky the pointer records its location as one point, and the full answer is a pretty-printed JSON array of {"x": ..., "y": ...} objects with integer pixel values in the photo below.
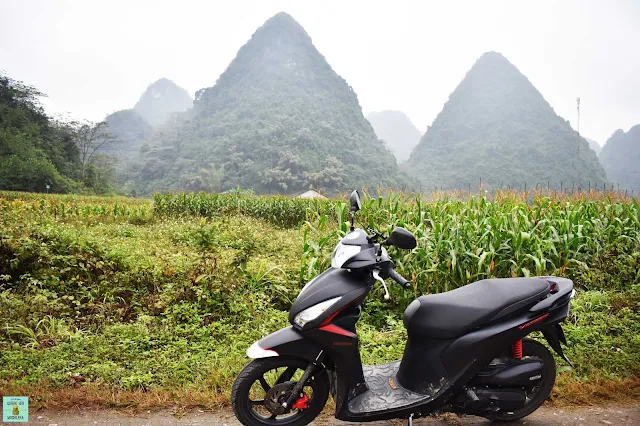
[{"x": 93, "y": 58}]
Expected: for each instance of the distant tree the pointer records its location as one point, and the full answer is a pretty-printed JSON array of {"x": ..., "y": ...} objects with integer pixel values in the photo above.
[
  {"x": 100, "y": 174},
  {"x": 91, "y": 139},
  {"x": 207, "y": 180}
]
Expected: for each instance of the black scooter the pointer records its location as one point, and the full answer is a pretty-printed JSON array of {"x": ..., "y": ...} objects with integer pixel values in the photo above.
[{"x": 466, "y": 350}]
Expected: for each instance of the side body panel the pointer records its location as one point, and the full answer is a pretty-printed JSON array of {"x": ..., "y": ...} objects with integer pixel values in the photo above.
[{"x": 443, "y": 367}]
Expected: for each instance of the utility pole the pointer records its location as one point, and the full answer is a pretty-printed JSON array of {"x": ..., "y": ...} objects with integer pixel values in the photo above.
[{"x": 578, "y": 108}]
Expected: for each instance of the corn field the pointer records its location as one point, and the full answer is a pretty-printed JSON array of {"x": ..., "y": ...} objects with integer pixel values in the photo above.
[
  {"x": 464, "y": 241},
  {"x": 279, "y": 210},
  {"x": 459, "y": 240}
]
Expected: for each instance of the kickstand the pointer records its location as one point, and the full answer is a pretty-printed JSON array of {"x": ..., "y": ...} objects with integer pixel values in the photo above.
[{"x": 410, "y": 420}]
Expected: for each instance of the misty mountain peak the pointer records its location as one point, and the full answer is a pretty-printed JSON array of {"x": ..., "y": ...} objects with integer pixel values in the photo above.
[
  {"x": 161, "y": 99},
  {"x": 279, "y": 53},
  {"x": 493, "y": 56},
  {"x": 282, "y": 18},
  {"x": 620, "y": 157},
  {"x": 595, "y": 146},
  {"x": 397, "y": 130},
  {"x": 497, "y": 127}
]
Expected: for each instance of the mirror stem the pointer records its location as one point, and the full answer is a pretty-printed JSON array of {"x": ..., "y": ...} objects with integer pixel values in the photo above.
[{"x": 352, "y": 218}]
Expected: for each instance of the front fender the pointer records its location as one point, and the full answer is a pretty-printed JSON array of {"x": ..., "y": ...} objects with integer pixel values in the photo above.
[{"x": 284, "y": 342}]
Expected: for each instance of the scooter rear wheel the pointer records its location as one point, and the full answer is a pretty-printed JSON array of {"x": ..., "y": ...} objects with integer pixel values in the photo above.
[
  {"x": 541, "y": 392},
  {"x": 265, "y": 383}
]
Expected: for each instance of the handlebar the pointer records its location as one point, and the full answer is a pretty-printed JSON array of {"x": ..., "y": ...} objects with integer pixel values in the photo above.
[
  {"x": 391, "y": 273},
  {"x": 375, "y": 235}
]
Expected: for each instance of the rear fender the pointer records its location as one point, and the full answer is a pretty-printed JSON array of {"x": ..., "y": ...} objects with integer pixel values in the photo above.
[
  {"x": 555, "y": 335},
  {"x": 284, "y": 342}
]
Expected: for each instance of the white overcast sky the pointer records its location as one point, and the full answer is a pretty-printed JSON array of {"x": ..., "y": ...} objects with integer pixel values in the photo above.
[{"x": 95, "y": 57}]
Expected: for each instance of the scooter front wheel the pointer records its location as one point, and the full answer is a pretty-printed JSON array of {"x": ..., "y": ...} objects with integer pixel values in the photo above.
[{"x": 264, "y": 384}]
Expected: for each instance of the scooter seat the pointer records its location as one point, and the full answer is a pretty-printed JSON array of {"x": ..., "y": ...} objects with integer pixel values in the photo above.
[{"x": 456, "y": 312}]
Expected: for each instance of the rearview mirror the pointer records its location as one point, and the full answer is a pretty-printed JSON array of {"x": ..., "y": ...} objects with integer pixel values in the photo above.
[
  {"x": 354, "y": 200},
  {"x": 401, "y": 238}
]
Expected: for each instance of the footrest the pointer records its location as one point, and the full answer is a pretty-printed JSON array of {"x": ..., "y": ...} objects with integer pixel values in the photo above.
[{"x": 384, "y": 391}]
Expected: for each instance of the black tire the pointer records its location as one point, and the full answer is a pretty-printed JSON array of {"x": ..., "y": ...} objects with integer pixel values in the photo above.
[
  {"x": 247, "y": 411},
  {"x": 541, "y": 392}
]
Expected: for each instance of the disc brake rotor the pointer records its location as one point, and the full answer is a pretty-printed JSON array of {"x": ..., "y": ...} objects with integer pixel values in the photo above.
[{"x": 276, "y": 396}]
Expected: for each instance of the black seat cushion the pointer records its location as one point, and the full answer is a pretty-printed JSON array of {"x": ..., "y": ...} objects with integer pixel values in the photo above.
[{"x": 456, "y": 312}]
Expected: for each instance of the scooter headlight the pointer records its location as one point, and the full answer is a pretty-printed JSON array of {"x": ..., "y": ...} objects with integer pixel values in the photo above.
[
  {"x": 314, "y": 312},
  {"x": 342, "y": 253}
]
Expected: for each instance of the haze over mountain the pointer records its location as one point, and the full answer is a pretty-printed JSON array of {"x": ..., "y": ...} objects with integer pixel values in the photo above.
[
  {"x": 620, "y": 157},
  {"x": 397, "y": 130},
  {"x": 279, "y": 119},
  {"x": 131, "y": 130},
  {"x": 595, "y": 146},
  {"x": 498, "y": 127},
  {"x": 160, "y": 100}
]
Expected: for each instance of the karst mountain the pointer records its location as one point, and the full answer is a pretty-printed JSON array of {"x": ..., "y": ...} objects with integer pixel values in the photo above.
[
  {"x": 620, "y": 157},
  {"x": 497, "y": 128},
  {"x": 278, "y": 120},
  {"x": 158, "y": 105}
]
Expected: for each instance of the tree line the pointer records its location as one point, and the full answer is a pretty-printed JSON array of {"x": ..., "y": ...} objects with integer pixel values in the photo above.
[{"x": 42, "y": 153}]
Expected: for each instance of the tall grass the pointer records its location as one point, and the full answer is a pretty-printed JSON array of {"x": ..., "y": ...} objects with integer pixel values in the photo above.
[{"x": 58, "y": 206}]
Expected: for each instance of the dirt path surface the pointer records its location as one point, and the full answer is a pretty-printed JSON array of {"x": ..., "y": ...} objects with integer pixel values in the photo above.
[{"x": 546, "y": 416}]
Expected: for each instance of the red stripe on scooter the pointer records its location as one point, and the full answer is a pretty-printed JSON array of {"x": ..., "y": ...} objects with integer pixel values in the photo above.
[
  {"x": 333, "y": 315},
  {"x": 336, "y": 330},
  {"x": 530, "y": 323}
]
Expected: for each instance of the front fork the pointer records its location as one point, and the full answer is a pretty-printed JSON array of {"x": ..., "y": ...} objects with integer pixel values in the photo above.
[{"x": 296, "y": 392}]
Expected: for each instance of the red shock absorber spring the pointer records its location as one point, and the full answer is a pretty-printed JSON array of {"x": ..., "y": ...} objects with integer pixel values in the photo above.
[{"x": 517, "y": 349}]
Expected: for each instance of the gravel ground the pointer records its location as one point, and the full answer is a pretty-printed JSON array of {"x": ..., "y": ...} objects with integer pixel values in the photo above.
[{"x": 545, "y": 416}]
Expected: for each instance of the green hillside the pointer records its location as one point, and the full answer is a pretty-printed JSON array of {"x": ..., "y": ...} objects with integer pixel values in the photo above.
[
  {"x": 620, "y": 157},
  {"x": 278, "y": 120},
  {"x": 497, "y": 127},
  {"x": 35, "y": 150},
  {"x": 397, "y": 130}
]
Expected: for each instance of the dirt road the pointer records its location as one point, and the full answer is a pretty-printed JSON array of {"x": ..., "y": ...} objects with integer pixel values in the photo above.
[{"x": 546, "y": 416}]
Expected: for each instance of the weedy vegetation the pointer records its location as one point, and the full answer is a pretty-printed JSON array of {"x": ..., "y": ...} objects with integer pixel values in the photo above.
[{"x": 134, "y": 303}]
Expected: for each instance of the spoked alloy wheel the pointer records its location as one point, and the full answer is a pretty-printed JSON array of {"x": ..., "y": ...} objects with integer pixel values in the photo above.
[
  {"x": 538, "y": 394},
  {"x": 264, "y": 384}
]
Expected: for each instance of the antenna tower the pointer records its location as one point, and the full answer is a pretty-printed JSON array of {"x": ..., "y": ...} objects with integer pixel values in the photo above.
[{"x": 578, "y": 127}]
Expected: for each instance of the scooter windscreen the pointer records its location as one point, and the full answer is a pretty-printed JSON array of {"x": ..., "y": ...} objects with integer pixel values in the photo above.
[{"x": 342, "y": 253}]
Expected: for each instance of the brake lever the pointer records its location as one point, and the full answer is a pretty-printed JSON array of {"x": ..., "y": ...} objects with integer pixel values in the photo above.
[{"x": 376, "y": 275}]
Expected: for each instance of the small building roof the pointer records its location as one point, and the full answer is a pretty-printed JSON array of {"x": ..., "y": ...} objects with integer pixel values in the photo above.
[{"x": 311, "y": 194}]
